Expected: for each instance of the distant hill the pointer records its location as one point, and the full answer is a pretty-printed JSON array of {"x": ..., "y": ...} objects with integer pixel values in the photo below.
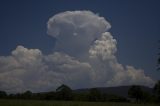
[{"x": 119, "y": 90}]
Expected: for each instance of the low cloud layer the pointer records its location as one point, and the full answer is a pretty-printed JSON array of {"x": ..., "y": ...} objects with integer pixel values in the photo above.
[{"x": 84, "y": 56}]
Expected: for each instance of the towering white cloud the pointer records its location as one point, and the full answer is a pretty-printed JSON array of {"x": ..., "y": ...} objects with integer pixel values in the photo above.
[
  {"x": 104, "y": 48},
  {"x": 84, "y": 34},
  {"x": 110, "y": 72},
  {"x": 84, "y": 56},
  {"x": 75, "y": 31}
]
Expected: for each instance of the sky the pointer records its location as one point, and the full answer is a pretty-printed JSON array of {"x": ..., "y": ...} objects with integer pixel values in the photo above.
[{"x": 81, "y": 43}]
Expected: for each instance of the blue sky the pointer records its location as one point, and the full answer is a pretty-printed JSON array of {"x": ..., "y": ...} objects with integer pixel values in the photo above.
[{"x": 135, "y": 26}]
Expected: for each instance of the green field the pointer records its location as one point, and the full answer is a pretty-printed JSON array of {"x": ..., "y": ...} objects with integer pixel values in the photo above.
[{"x": 64, "y": 103}]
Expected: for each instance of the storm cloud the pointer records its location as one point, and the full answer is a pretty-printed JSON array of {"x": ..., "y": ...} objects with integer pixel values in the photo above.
[
  {"x": 84, "y": 56},
  {"x": 75, "y": 31}
]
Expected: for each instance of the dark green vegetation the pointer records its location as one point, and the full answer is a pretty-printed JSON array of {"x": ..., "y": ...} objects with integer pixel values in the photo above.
[
  {"x": 157, "y": 90},
  {"x": 65, "y": 103},
  {"x": 134, "y": 94}
]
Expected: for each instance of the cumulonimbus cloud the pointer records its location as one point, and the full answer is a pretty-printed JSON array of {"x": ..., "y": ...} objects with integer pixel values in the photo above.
[
  {"x": 75, "y": 31},
  {"x": 84, "y": 56}
]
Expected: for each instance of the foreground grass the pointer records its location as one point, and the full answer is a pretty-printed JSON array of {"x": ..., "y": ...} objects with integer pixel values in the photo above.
[{"x": 64, "y": 103}]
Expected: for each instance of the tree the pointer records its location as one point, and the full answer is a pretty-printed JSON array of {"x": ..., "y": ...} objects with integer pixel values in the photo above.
[
  {"x": 27, "y": 95},
  {"x": 64, "y": 93},
  {"x": 135, "y": 92},
  {"x": 3, "y": 94},
  {"x": 50, "y": 95},
  {"x": 157, "y": 90},
  {"x": 94, "y": 94}
]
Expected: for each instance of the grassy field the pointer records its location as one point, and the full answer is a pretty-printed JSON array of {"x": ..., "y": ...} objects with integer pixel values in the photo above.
[{"x": 64, "y": 103}]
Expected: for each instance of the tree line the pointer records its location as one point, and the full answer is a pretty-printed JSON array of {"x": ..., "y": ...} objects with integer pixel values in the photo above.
[{"x": 65, "y": 93}]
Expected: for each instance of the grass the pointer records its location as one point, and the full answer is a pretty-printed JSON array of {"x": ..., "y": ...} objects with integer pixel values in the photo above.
[{"x": 64, "y": 103}]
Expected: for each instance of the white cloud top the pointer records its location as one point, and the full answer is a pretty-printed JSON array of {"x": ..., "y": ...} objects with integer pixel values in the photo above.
[{"x": 77, "y": 22}]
